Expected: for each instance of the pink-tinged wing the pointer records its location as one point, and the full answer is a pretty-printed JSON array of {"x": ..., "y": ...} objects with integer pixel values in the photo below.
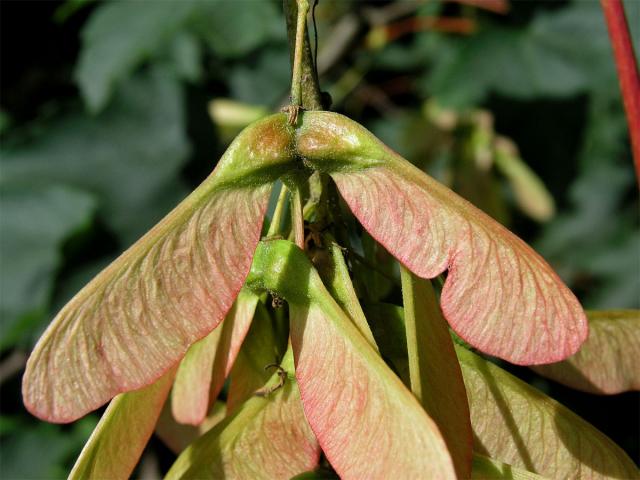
[
  {"x": 519, "y": 425},
  {"x": 208, "y": 362},
  {"x": 264, "y": 438},
  {"x": 137, "y": 318},
  {"x": 500, "y": 296},
  {"x": 118, "y": 440},
  {"x": 609, "y": 361},
  {"x": 368, "y": 424}
]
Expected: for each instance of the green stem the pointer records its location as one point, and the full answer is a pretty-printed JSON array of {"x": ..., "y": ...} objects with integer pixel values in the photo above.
[
  {"x": 310, "y": 96},
  {"x": 434, "y": 371},
  {"x": 412, "y": 323},
  {"x": 276, "y": 221},
  {"x": 337, "y": 280},
  {"x": 301, "y": 34}
]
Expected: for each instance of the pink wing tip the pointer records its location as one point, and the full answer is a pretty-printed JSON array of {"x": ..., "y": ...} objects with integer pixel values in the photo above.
[
  {"x": 45, "y": 414},
  {"x": 534, "y": 354}
]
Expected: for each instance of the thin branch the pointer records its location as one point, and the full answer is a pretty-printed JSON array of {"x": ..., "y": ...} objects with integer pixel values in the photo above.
[
  {"x": 301, "y": 34},
  {"x": 311, "y": 98}
]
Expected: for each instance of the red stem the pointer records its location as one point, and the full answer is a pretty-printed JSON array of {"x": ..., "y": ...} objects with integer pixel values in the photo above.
[
  {"x": 495, "y": 6},
  {"x": 627, "y": 71},
  {"x": 460, "y": 25}
]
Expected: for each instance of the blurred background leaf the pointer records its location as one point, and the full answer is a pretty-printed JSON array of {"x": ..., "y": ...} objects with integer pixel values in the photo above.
[
  {"x": 42, "y": 450},
  {"x": 34, "y": 221},
  {"x": 538, "y": 60},
  {"x": 121, "y": 36},
  {"x": 129, "y": 156}
]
